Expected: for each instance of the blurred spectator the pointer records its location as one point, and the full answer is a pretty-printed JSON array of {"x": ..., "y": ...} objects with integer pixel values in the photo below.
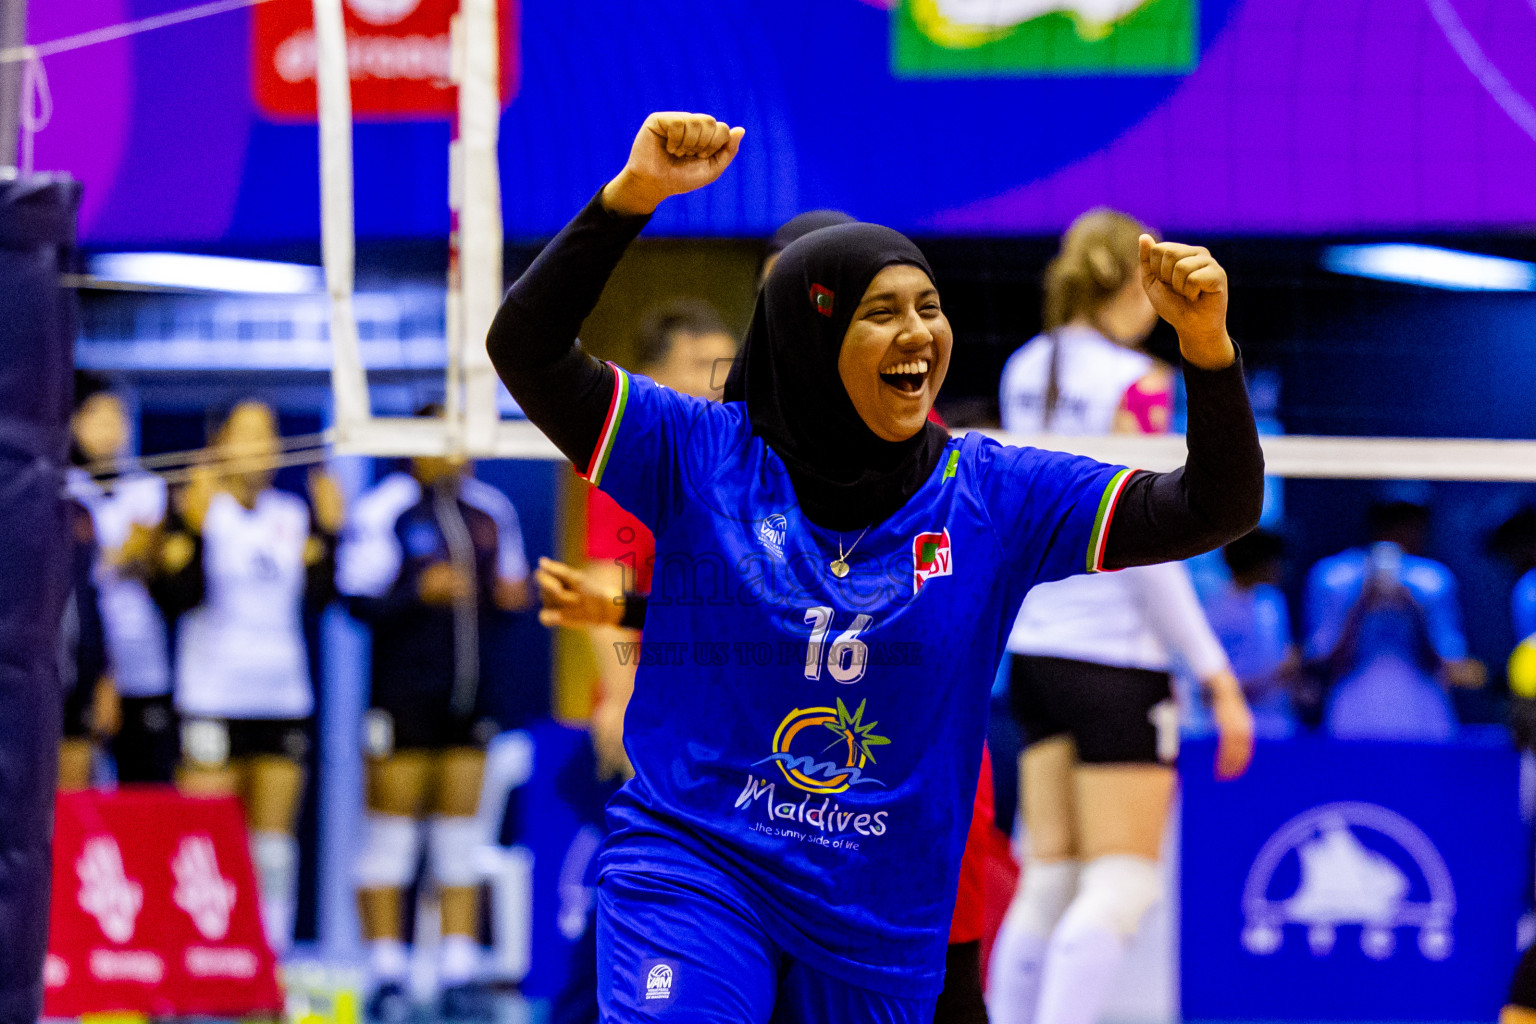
[
  {"x": 127, "y": 506},
  {"x": 430, "y": 561},
  {"x": 89, "y": 699},
  {"x": 1384, "y": 630},
  {"x": 1250, "y": 618}
]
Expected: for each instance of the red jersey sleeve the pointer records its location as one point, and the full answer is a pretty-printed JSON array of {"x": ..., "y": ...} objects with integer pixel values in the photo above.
[{"x": 613, "y": 535}]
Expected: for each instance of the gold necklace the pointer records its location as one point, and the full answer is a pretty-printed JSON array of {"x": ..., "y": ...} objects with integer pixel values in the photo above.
[{"x": 840, "y": 566}]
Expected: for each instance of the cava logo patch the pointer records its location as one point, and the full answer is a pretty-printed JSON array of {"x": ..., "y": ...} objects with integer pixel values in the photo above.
[{"x": 931, "y": 556}]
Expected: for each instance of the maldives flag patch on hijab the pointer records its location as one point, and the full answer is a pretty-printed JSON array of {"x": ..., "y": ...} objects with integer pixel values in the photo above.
[
  {"x": 931, "y": 557},
  {"x": 821, "y": 298}
]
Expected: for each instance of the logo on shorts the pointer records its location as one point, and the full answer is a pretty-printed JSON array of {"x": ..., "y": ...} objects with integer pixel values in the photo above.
[
  {"x": 931, "y": 556},
  {"x": 771, "y": 532},
  {"x": 808, "y": 763},
  {"x": 658, "y": 981}
]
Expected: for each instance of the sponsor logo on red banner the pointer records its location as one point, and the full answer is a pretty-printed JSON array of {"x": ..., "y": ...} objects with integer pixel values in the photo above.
[
  {"x": 155, "y": 909},
  {"x": 201, "y": 891},
  {"x": 398, "y": 52}
]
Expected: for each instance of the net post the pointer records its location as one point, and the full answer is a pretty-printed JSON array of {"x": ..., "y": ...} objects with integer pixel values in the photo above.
[
  {"x": 13, "y": 37},
  {"x": 477, "y": 221},
  {"x": 333, "y": 80}
]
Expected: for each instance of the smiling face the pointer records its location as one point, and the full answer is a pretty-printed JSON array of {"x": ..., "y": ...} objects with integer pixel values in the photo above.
[{"x": 896, "y": 352}]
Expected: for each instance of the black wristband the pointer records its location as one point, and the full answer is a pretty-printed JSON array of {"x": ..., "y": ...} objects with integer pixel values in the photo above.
[{"x": 634, "y": 610}]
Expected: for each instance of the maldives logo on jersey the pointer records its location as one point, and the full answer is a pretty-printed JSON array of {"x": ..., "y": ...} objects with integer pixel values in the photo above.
[
  {"x": 806, "y": 763},
  {"x": 931, "y": 556}
]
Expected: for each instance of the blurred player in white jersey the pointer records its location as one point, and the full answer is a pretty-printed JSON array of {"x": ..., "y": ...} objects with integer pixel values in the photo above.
[
  {"x": 237, "y": 564},
  {"x": 126, "y": 505},
  {"x": 1092, "y": 655}
]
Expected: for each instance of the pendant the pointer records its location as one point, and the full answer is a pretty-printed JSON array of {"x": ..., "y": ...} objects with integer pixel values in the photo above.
[{"x": 839, "y": 568}]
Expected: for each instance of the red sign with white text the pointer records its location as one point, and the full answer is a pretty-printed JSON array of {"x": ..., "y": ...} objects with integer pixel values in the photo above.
[
  {"x": 398, "y": 52},
  {"x": 155, "y": 909}
]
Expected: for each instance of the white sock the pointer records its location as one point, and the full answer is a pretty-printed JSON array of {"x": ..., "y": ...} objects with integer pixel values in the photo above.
[
  {"x": 458, "y": 960},
  {"x": 276, "y": 857},
  {"x": 388, "y": 961},
  {"x": 1013, "y": 980},
  {"x": 1080, "y": 962},
  {"x": 1018, "y": 955},
  {"x": 1088, "y": 944}
]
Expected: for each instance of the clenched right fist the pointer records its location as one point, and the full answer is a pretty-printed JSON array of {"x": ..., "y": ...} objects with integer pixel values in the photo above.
[{"x": 673, "y": 153}]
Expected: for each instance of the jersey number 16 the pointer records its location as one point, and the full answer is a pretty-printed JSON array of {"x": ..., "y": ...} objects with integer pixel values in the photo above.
[{"x": 846, "y": 657}]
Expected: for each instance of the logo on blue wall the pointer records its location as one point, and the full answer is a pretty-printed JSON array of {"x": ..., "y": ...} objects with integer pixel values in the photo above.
[{"x": 1349, "y": 865}]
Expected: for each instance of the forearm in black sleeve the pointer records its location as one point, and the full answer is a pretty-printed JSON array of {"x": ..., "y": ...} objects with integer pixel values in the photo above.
[
  {"x": 532, "y": 342},
  {"x": 177, "y": 590},
  {"x": 1214, "y": 499}
]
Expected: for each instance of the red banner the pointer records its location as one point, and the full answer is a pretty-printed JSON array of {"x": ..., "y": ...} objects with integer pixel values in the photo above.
[
  {"x": 398, "y": 52},
  {"x": 155, "y": 909}
]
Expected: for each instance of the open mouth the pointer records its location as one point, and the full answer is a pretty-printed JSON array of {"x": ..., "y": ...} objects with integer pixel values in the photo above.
[{"x": 907, "y": 377}]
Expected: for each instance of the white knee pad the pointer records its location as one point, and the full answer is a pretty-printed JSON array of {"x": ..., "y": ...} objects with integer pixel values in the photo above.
[
  {"x": 1044, "y": 892},
  {"x": 455, "y": 843},
  {"x": 389, "y": 854},
  {"x": 1115, "y": 893},
  {"x": 276, "y": 857}
]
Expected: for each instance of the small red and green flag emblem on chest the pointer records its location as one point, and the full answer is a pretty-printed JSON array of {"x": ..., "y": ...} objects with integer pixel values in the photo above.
[{"x": 931, "y": 556}]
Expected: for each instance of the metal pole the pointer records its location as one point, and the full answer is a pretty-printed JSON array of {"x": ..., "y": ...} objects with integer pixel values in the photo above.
[{"x": 13, "y": 33}]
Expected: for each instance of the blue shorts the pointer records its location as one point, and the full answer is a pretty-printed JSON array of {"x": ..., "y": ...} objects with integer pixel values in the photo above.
[{"x": 670, "y": 953}]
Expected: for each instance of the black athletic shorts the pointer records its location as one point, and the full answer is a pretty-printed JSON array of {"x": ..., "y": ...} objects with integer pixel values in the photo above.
[
  {"x": 77, "y": 712},
  {"x": 391, "y": 730},
  {"x": 1107, "y": 711},
  {"x": 214, "y": 742},
  {"x": 147, "y": 747}
]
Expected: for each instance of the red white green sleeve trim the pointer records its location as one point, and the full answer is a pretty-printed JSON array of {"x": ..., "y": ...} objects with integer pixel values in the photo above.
[
  {"x": 1098, "y": 540},
  {"x": 604, "y": 448}
]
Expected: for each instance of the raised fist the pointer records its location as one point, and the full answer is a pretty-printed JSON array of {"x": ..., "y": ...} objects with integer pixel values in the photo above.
[
  {"x": 1188, "y": 288},
  {"x": 673, "y": 153}
]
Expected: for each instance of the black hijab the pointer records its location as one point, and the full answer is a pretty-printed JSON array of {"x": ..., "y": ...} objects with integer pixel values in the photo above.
[
  {"x": 800, "y": 225},
  {"x": 845, "y": 476}
]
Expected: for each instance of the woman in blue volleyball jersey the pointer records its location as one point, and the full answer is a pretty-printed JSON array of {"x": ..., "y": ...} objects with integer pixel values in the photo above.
[{"x": 835, "y": 579}]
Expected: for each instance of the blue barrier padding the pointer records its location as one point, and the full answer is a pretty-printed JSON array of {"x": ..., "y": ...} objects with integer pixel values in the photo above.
[
  {"x": 1358, "y": 881},
  {"x": 37, "y": 331}
]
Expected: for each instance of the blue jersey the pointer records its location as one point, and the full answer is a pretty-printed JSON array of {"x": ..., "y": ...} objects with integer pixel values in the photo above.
[
  {"x": 813, "y": 740},
  {"x": 1335, "y": 584},
  {"x": 1524, "y": 606}
]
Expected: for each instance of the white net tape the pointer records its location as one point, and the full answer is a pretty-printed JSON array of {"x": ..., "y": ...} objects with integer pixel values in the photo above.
[{"x": 1335, "y": 458}]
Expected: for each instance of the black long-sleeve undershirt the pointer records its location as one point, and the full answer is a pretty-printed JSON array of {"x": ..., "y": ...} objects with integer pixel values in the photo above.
[{"x": 1213, "y": 499}]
